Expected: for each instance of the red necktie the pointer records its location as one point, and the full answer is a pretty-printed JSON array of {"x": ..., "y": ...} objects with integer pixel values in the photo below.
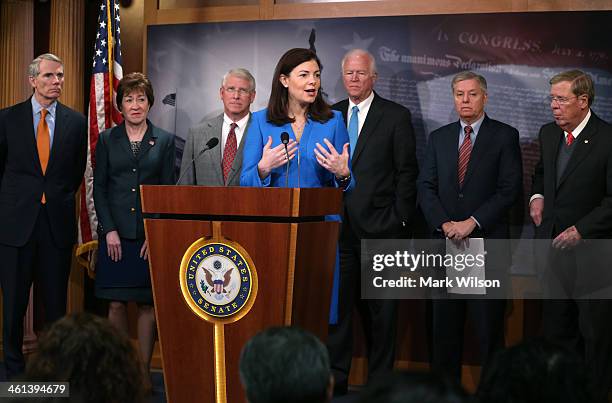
[
  {"x": 569, "y": 139},
  {"x": 229, "y": 152},
  {"x": 464, "y": 154},
  {"x": 43, "y": 144}
]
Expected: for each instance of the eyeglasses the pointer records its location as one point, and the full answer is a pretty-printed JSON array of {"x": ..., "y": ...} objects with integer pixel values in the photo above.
[
  {"x": 559, "y": 100},
  {"x": 240, "y": 91}
]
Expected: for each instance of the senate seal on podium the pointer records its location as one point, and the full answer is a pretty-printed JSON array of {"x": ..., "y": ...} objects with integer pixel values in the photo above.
[{"x": 218, "y": 280}]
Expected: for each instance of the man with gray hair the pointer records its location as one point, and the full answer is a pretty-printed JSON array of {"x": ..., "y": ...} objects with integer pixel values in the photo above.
[
  {"x": 382, "y": 205},
  {"x": 43, "y": 148},
  {"x": 470, "y": 179},
  {"x": 572, "y": 202},
  {"x": 221, "y": 166}
]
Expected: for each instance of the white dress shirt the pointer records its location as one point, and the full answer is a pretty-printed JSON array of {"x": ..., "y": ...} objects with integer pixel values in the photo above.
[
  {"x": 364, "y": 107},
  {"x": 225, "y": 129}
]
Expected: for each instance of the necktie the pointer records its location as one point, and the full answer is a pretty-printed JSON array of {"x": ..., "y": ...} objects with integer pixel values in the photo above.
[
  {"x": 229, "y": 152},
  {"x": 353, "y": 128},
  {"x": 464, "y": 154},
  {"x": 569, "y": 139},
  {"x": 43, "y": 144}
]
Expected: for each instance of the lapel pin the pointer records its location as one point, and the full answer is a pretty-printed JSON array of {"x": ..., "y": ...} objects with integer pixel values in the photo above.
[
  {"x": 151, "y": 142},
  {"x": 586, "y": 141}
]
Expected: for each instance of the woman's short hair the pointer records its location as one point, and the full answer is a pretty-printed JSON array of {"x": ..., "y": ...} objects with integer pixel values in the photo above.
[
  {"x": 278, "y": 112},
  {"x": 134, "y": 82}
]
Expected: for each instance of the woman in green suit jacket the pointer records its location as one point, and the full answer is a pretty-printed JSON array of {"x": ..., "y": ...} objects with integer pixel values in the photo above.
[{"x": 127, "y": 156}]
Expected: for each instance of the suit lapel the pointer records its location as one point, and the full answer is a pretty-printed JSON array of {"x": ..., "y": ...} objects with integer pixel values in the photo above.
[
  {"x": 26, "y": 121},
  {"x": 583, "y": 148},
  {"x": 119, "y": 136},
  {"x": 450, "y": 148},
  {"x": 237, "y": 164},
  {"x": 480, "y": 146},
  {"x": 343, "y": 108},
  {"x": 214, "y": 130},
  {"x": 148, "y": 140},
  {"x": 374, "y": 116},
  {"x": 59, "y": 134}
]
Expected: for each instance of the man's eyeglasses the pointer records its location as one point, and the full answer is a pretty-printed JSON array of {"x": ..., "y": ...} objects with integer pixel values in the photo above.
[
  {"x": 559, "y": 100},
  {"x": 240, "y": 91}
]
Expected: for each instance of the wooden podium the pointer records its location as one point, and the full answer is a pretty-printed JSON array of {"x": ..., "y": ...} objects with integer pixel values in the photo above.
[{"x": 284, "y": 235}]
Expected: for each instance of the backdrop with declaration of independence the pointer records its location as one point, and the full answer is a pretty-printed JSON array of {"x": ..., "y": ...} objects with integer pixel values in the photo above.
[{"x": 416, "y": 56}]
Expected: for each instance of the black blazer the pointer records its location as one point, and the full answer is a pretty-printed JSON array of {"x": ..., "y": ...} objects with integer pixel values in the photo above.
[
  {"x": 491, "y": 186},
  {"x": 384, "y": 167},
  {"x": 118, "y": 175},
  {"x": 22, "y": 182},
  {"x": 583, "y": 196}
]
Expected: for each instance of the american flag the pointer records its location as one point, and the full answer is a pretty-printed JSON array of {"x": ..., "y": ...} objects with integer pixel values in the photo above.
[{"x": 103, "y": 114}]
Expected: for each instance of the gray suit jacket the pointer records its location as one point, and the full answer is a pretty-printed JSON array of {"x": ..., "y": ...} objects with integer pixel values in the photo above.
[{"x": 206, "y": 170}]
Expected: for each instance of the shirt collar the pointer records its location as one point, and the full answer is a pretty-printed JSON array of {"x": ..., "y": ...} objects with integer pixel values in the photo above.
[
  {"x": 363, "y": 105},
  {"x": 36, "y": 107},
  {"x": 475, "y": 126},
  {"x": 241, "y": 123},
  {"x": 581, "y": 126}
]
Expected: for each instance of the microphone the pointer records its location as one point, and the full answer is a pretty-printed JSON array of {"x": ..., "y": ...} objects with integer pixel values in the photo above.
[
  {"x": 285, "y": 140},
  {"x": 210, "y": 144}
]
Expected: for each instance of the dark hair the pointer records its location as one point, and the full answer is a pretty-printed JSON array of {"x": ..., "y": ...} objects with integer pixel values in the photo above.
[
  {"x": 133, "y": 82},
  {"x": 534, "y": 371},
  {"x": 87, "y": 351},
  {"x": 413, "y": 387},
  {"x": 279, "y": 96},
  {"x": 285, "y": 364}
]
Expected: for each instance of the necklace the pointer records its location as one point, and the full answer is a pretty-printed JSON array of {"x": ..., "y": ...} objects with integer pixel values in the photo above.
[{"x": 298, "y": 129}]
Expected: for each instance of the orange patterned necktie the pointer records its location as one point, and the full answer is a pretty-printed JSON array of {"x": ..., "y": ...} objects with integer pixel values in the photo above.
[{"x": 43, "y": 144}]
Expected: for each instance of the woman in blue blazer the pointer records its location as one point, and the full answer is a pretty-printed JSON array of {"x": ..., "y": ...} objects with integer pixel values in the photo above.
[
  {"x": 127, "y": 156},
  {"x": 316, "y": 152}
]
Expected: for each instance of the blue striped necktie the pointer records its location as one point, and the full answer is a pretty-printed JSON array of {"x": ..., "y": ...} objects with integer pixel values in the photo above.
[{"x": 353, "y": 128}]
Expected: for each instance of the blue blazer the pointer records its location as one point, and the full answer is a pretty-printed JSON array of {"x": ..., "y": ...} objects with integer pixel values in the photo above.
[{"x": 304, "y": 170}]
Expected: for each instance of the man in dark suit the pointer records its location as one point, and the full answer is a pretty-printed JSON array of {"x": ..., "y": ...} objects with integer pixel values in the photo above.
[
  {"x": 222, "y": 166},
  {"x": 471, "y": 177},
  {"x": 571, "y": 202},
  {"x": 42, "y": 160},
  {"x": 381, "y": 205}
]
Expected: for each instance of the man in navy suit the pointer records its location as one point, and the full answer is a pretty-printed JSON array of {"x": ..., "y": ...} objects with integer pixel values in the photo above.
[
  {"x": 43, "y": 146},
  {"x": 471, "y": 177}
]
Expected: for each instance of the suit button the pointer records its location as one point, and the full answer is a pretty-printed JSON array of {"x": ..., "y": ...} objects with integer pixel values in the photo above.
[
  {"x": 132, "y": 209},
  {"x": 461, "y": 195}
]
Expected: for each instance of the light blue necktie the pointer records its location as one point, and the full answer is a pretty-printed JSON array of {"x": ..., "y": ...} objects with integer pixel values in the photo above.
[{"x": 353, "y": 129}]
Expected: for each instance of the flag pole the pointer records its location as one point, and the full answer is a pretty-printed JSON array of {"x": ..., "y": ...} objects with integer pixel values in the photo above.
[
  {"x": 110, "y": 44},
  {"x": 175, "y": 109}
]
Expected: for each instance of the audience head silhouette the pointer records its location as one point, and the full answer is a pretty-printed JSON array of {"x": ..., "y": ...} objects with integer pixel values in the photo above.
[
  {"x": 413, "y": 387},
  {"x": 534, "y": 371},
  {"x": 97, "y": 360},
  {"x": 286, "y": 364}
]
